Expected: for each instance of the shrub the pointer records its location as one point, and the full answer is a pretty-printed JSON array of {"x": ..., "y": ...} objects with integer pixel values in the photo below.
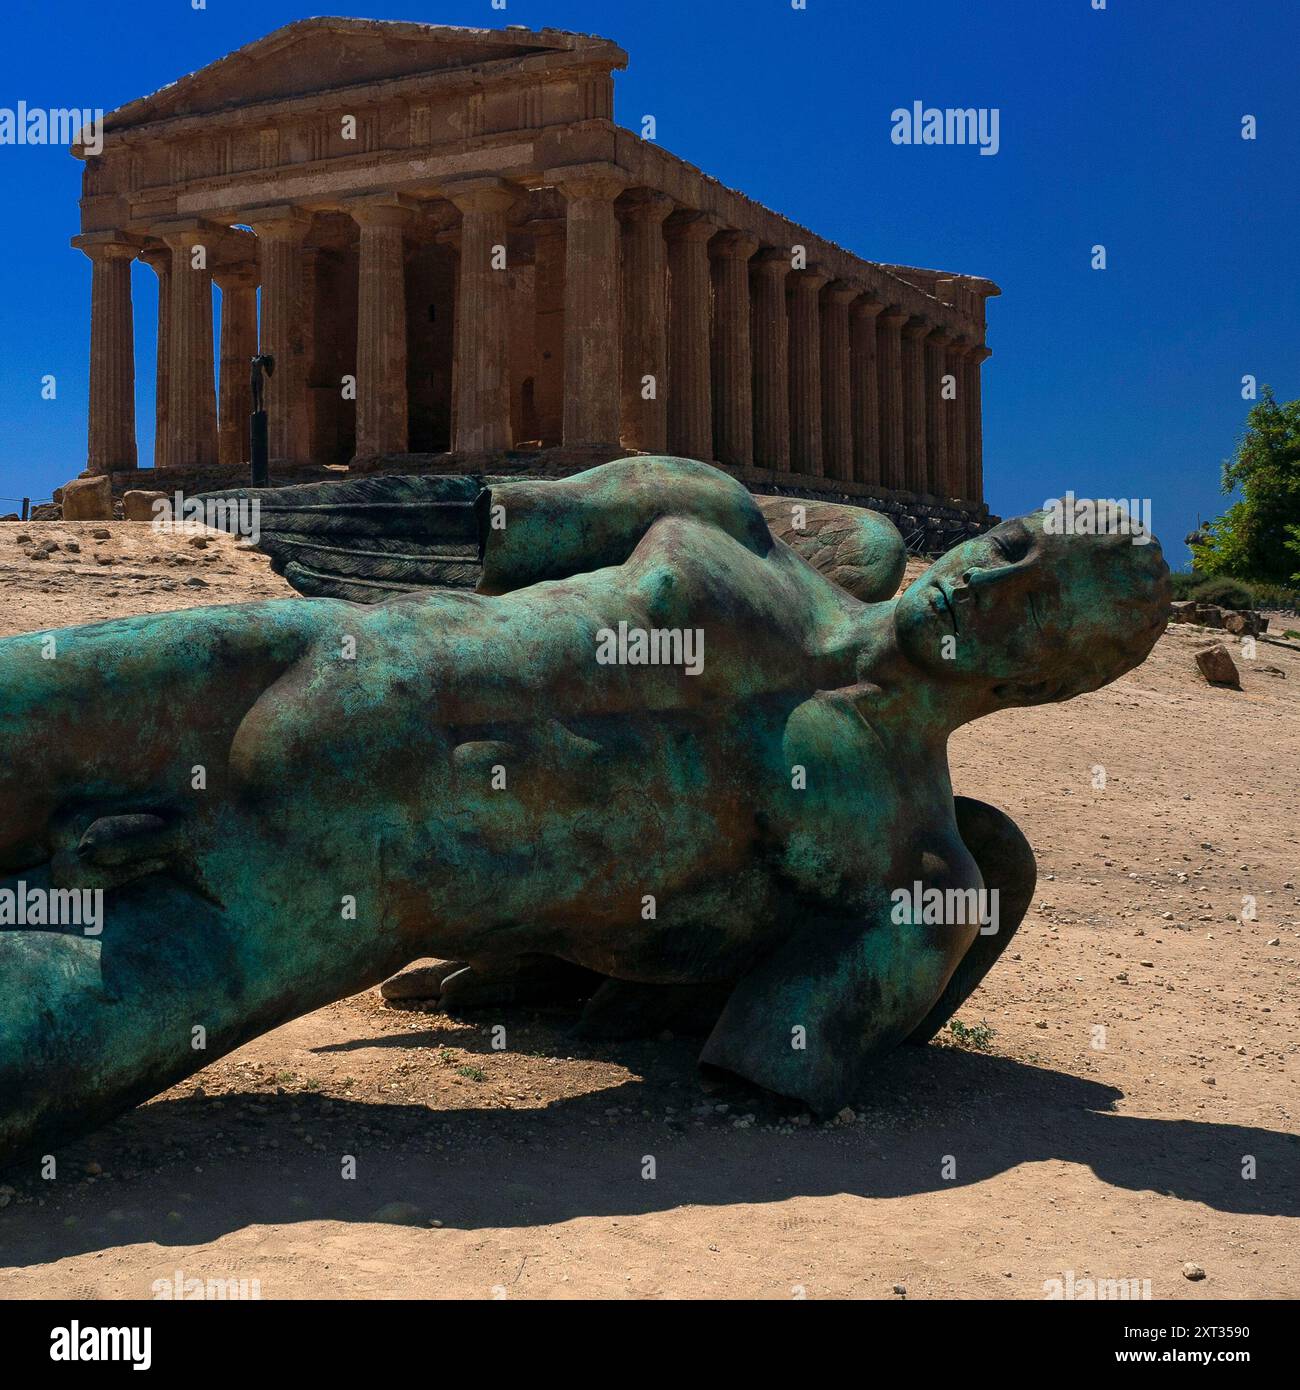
[
  {"x": 1226, "y": 593},
  {"x": 1233, "y": 593},
  {"x": 977, "y": 1036},
  {"x": 1185, "y": 584}
]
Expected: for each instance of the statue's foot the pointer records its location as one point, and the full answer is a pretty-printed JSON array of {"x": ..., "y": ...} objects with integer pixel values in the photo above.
[
  {"x": 624, "y": 1009},
  {"x": 519, "y": 980}
]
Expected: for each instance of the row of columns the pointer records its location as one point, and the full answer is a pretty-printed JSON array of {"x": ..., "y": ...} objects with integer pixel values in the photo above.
[
  {"x": 658, "y": 329},
  {"x": 764, "y": 364}
]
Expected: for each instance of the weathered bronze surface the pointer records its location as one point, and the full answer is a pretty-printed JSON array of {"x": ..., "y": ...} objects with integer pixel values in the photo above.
[{"x": 287, "y": 801}]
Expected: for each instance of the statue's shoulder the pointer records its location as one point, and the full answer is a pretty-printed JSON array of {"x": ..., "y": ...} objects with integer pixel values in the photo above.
[{"x": 665, "y": 486}]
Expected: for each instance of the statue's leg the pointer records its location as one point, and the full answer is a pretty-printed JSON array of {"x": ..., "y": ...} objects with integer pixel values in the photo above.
[
  {"x": 91, "y": 1024},
  {"x": 838, "y": 995},
  {"x": 219, "y": 916},
  {"x": 1006, "y": 863}
]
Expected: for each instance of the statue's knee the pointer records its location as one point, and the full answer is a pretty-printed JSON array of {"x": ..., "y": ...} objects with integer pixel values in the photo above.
[{"x": 1005, "y": 857}]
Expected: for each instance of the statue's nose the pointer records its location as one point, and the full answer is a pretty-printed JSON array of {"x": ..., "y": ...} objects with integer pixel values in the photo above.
[{"x": 978, "y": 580}]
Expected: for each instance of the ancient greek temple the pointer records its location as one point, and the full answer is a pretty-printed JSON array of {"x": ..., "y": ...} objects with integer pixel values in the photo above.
[{"x": 453, "y": 253}]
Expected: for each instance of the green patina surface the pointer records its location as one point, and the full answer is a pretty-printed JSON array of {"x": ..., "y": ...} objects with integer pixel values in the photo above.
[{"x": 284, "y": 802}]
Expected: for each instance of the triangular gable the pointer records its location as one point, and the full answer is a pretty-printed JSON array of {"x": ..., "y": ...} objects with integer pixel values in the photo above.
[{"x": 317, "y": 55}]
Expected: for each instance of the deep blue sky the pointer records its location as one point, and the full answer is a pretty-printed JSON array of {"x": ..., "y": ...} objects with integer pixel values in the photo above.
[{"x": 1119, "y": 126}]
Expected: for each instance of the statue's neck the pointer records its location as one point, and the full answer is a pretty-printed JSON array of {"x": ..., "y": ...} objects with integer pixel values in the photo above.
[{"x": 901, "y": 700}]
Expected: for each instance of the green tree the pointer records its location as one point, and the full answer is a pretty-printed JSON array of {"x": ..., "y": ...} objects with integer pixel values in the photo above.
[{"x": 1258, "y": 537}]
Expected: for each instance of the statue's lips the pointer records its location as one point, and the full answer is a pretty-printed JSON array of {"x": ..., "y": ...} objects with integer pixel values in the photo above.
[
  {"x": 27, "y": 903},
  {"x": 32, "y": 901},
  {"x": 944, "y": 603}
]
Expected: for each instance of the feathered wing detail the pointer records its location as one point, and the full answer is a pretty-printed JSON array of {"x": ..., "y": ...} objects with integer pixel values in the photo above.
[
  {"x": 365, "y": 539},
  {"x": 854, "y": 547}
]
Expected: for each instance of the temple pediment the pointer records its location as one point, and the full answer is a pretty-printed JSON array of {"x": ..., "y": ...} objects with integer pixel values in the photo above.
[{"x": 319, "y": 55}]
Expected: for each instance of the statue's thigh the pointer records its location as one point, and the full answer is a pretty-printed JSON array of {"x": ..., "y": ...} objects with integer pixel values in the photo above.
[{"x": 92, "y": 1024}]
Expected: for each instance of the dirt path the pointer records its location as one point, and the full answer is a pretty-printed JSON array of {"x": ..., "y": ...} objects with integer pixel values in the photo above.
[{"x": 1054, "y": 1149}]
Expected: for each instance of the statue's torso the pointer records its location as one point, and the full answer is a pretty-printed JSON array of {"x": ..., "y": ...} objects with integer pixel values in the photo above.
[
  {"x": 519, "y": 794},
  {"x": 678, "y": 845}
]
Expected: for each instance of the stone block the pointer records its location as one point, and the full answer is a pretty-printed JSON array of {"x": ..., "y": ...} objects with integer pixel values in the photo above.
[
  {"x": 88, "y": 499},
  {"x": 138, "y": 505}
]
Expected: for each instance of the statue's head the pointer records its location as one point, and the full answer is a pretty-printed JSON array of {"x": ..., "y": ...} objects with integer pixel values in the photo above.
[{"x": 1032, "y": 614}]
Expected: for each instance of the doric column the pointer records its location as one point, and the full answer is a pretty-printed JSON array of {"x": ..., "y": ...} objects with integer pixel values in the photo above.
[
  {"x": 957, "y": 431},
  {"x": 975, "y": 358},
  {"x": 936, "y": 414},
  {"x": 592, "y": 378},
  {"x": 449, "y": 240},
  {"x": 321, "y": 441},
  {"x": 733, "y": 370},
  {"x": 889, "y": 359},
  {"x": 770, "y": 338},
  {"x": 238, "y": 286},
  {"x": 548, "y": 326},
  {"x": 281, "y": 232},
  {"x": 645, "y": 321},
  {"x": 482, "y": 317},
  {"x": 865, "y": 389},
  {"x": 837, "y": 397},
  {"x": 192, "y": 404},
  {"x": 914, "y": 335},
  {"x": 806, "y": 371},
  {"x": 111, "y": 433},
  {"x": 382, "y": 416},
  {"x": 690, "y": 394},
  {"x": 159, "y": 260}
]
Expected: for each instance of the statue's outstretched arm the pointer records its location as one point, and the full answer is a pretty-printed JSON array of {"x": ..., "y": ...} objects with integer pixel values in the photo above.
[
  {"x": 540, "y": 529},
  {"x": 625, "y": 1009}
]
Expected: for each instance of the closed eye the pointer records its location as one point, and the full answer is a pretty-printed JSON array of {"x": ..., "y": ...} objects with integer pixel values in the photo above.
[{"x": 1013, "y": 542}]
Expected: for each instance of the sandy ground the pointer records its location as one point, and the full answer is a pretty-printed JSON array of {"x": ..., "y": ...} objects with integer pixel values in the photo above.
[{"x": 1132, "y": 1110}]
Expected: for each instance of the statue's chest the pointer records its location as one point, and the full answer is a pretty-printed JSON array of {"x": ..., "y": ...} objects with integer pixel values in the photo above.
[{"x": 861, "y": 813}]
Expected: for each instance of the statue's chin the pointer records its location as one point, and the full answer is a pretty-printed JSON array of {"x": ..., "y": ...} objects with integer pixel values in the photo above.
[{"x": 920, "y": 631}]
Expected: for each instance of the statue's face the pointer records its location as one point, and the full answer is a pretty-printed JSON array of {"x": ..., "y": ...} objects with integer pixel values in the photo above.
[
  {"x": 1024, "y": 612},
  {"x": 981, "y": 608}
]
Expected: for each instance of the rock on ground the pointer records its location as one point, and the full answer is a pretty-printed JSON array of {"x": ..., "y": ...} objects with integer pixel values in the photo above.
[{"x": 1217, "y": 666}]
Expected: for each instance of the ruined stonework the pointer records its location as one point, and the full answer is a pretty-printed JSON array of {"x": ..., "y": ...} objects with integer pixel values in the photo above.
[{"x": 464, "y": 263}]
